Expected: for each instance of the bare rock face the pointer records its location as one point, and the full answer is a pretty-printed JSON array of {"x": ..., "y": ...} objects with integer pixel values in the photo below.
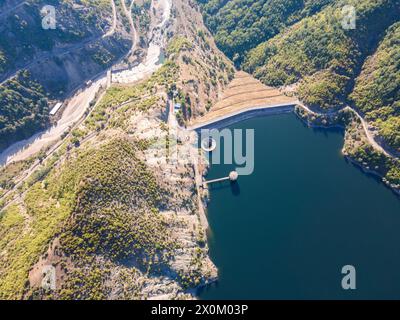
[{"x": 205, "y": 71}]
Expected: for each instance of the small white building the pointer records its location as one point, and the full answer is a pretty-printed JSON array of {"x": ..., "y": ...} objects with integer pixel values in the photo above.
[
  {"x": 55, "y": 109},
  {"x": 177, "y": 107}
]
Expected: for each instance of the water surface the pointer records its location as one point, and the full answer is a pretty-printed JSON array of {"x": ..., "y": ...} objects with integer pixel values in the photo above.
[{"x": 286, "y": 231}]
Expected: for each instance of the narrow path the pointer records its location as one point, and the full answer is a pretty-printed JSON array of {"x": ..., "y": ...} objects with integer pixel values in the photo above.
[
  {"x": 128, "y": 14},
  {"x": 114, "y": 23},
  {"x": 78, "y": 100},
  {"x": 25, "y": 175},
  {"x": 62, "y": 51},
  {"x": 274, "y": 108},
  {"x": 74, "y": 111},
  {"x": 368, "y": 134},
  {"x": 59, "y": 52},
  {"x": 151, "y": 63}
]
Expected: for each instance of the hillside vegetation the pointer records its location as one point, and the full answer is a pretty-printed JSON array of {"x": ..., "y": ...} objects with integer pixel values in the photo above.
[
  {"x": 303, "y": 47},
  {"x": 240, "y": 25},
  {"x": 114, "y": 216},
  {"x": 23, "y": 36},
  {"x": 112, "y": 225},
  {"x": 23, "y": 109},
  {"x": 282, "y": 42},
  {"x": 322, "y": 53},
  {"x": 89, "y": 201},
  {"x": 377, "y": 90}
]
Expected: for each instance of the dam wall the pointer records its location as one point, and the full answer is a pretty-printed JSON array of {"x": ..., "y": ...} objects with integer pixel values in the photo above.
[{"x": 228, "y": 119}]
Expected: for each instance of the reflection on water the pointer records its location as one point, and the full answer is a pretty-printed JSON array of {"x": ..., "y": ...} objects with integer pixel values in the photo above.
[{"x": 234, "y": 187}]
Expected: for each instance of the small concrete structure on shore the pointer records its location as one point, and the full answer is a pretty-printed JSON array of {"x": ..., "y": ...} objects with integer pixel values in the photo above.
[{"x": 177, "y": 107}]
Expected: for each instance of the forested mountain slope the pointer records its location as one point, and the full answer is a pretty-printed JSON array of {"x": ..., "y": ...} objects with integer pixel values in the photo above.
[
  {"x": 23, "y": 36},
  {"x": 23, "y": 108},
  {"x": 303, "y": 46},
  {"x": 240, "y": 25},
  {"x": 322, "y": 53},
  {"x": 377, "y": 90},
  {"x": 110, "y": 210}
]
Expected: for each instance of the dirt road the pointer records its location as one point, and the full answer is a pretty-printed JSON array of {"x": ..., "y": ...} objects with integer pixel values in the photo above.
[{"x": 114, "y": 23}]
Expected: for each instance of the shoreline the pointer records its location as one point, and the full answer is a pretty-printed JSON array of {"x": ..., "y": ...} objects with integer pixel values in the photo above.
[
  {"x": 267, "y": 110},
  {"x": 245, "y": 114},
  {"x": 371, "y": 172},
  {"x": 258, "y": 111}
]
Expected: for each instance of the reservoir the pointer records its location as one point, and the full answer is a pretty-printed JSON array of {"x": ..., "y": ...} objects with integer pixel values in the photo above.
[{"x": 286, "y": 231}]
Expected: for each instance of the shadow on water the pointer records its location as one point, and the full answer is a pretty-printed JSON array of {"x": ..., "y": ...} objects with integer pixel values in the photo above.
[
  {"x": 209, "y": 287},
  {"x": 370, "y": 175},
  {"x": 234, "y": 186},
  {"x": 327, "y": 130},
  {"x": 324, "y": 130}
]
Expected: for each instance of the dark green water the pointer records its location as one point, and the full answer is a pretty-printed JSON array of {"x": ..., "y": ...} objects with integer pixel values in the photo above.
[{"x": 286, "y": 231}]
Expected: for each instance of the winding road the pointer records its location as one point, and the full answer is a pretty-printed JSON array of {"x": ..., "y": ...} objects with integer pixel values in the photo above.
[
  {"x": 368, "y": 134},
  {"x": 370, "y": 137},
  {"x": 79, "y": 103},
  {"x": 61, "y": 51},
  {"x": 73, "y": 116},
  {"x": 151, "y": 62},
  {"x": 74, "y": 111}
]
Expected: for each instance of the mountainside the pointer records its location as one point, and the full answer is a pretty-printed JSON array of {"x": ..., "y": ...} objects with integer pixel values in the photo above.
[
  {"x": 240, "y": 25},
  {"x": 322, "y": 53},
  {"x": 23, "y": 108},
  {"x": 24, "y": 38},
  {"x": 114, "y": 207},
  {"x": 316, "y": 49},
  {"x": 111, "y": 213},
  {"x": 302, "y": 47},
  {"x": 84, "y": 42},
  {"x": 377, "y": 89}
]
